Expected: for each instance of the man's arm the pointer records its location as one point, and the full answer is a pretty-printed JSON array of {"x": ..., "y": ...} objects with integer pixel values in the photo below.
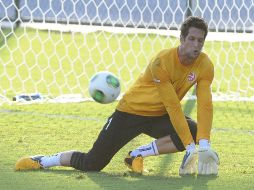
[
  {"x": 204, "y": 110},
  {"x": 171, "y": 102},
  {"x": 204, "y": 101},
  {"x": 208, "y": 159}
]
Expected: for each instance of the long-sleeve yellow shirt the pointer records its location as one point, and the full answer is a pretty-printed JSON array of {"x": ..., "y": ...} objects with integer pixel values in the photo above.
[{"x": 163, "y": 85}]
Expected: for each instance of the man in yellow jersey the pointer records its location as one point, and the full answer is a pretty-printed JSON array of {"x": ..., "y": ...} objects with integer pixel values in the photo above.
[{"x": 152, "y": 106}]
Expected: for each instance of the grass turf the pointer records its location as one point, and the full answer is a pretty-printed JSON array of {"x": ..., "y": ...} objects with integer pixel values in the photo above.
[{"x": 47, "y": 129}]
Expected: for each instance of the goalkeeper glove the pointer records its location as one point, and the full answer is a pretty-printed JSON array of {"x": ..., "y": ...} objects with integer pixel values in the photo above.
[
  {"x": 208, "y": 161},
  {"x": 188, "y": 165}
]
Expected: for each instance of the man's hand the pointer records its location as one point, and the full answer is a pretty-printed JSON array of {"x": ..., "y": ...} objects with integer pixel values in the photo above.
[
  {"x": 208, "y": 161},
  {"x": 188, "y": 165}
]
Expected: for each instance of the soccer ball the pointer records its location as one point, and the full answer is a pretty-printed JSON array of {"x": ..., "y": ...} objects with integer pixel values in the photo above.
[{"x": 104, "y": 87}]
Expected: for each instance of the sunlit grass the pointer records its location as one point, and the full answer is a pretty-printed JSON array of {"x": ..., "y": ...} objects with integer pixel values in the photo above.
[{"x": 49, "y": 128}]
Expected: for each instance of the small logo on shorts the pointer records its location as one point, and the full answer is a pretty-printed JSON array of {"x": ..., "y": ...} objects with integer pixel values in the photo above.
[{"x": 191, "y": 77}]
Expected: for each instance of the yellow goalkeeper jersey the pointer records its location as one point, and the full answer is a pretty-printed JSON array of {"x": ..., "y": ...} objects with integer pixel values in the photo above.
[{"x": 163, "y": 85}]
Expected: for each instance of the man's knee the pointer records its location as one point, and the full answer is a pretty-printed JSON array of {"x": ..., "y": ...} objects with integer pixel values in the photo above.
[{"x": 82, "y": 161}]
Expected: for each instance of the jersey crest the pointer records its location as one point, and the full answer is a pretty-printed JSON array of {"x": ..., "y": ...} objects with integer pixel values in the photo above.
[{"x": 191, "y": 77}]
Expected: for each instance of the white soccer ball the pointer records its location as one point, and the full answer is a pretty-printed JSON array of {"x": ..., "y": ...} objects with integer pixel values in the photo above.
[{"x": 104, "y": 87}]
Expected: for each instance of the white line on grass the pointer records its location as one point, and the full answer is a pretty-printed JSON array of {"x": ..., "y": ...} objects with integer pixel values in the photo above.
[
  {"x": 102, "y": 120},
  {"x": 62, "y": 116}
]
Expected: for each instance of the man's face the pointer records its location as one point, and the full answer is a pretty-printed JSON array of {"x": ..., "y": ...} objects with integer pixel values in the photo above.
[{"x": 193, "y": 43}]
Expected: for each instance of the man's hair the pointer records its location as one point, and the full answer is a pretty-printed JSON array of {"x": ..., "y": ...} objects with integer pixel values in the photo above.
[{"x": 195, "y": 22}]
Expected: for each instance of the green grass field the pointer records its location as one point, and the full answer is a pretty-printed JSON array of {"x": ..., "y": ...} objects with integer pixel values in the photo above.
[
  {"x": 50, "y": 128},
  {"x": 47, "y": 129}
]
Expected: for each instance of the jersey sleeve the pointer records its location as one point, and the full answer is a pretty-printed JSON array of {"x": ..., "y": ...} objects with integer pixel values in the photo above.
[
  {"x": 170, "y": 100},
  {"x": 204, "y": 104}
]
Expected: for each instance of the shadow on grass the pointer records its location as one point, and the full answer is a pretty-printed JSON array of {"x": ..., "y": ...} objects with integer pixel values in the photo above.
[
  {"x": 129, "y": 180},
  {"x": 132, "y": 181}
]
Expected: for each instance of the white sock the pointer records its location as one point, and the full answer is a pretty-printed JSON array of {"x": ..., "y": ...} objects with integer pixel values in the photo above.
[
  {"x": 146, "y": 150},
  {"x": 49, "y": 161},
  {"x": 204, "y": 143}
]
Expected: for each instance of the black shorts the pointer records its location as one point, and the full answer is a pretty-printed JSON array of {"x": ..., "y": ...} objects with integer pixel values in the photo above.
[{"x": 122, "y": 127}]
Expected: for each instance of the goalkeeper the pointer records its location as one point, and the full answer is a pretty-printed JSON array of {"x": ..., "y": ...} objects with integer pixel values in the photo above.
[{"x": 152, "y": 106}]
